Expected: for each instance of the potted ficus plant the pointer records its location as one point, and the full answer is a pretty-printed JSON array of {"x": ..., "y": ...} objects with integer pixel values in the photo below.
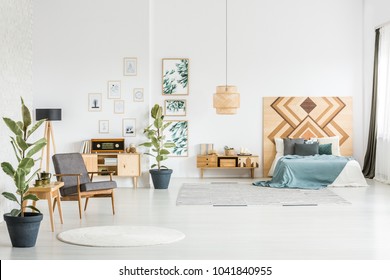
[
  {"x": 23, "y": 226},
  {"x": 159, "y": 148}
]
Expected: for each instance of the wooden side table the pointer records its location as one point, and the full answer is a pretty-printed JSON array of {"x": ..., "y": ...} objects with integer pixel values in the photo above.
[{"x": 51, "y": 193}]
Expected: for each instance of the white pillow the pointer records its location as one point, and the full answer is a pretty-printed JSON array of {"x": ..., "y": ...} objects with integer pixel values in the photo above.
[
  {"x": 272, "y": 169},
  {"x": 335, "y": 141},
  {"x": 279, "y": 145}
]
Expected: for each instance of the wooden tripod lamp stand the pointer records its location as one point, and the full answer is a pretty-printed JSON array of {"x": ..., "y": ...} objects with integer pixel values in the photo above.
[{"x": 50, "y": 115}]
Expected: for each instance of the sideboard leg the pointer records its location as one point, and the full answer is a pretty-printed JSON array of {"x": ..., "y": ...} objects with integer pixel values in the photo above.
[{"x": 135, "y": 182}]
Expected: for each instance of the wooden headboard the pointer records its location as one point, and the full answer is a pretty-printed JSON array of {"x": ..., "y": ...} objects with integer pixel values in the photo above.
[{"x": 305, "y": 117}]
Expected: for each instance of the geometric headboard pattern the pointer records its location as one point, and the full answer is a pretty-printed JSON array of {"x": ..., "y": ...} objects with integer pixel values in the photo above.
[{"x": 305, "y": 117}]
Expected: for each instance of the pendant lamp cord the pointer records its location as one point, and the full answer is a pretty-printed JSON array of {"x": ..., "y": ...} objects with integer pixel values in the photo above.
[{"x": 226, "y": 42}]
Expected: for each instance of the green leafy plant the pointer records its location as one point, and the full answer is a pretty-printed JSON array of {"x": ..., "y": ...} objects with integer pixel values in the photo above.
[
  {"x": 155, "y": 133},
  {"x": 24, "y": 152}
]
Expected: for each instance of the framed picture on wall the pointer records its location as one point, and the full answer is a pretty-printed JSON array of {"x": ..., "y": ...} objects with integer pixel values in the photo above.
[
  {"x": 175, "y": 76},
  {"x": 114, "y": 89},
  {"x": 130, "y": 66},
  {"x": 119, "y": 106},
  {"x": 129, "y": 128},
  {"x": 138, "y": 95},
  {"x": 104, "y": 126},
  {"x": 175, "y": 107},
  {"x": 94, "y": 102},
  {"x": 177, "y": 132}
]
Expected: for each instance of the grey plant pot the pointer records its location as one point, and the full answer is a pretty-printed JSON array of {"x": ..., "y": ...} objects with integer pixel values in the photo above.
[
  {"x": 161, "y": 178},
  {"x": 23, "y": 231}
]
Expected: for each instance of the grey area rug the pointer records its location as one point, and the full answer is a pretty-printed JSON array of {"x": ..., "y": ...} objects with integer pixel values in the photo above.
[{"x": 235, "y": 194}]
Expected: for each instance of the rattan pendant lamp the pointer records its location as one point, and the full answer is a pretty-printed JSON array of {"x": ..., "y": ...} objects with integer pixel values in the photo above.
[{"x": 226, "y": 100}]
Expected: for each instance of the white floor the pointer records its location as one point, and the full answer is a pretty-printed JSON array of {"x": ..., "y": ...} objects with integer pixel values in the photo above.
[{"x": 360, "y": 230}]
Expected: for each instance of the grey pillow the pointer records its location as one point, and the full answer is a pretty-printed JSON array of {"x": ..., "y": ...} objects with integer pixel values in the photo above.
[
  {"x": 306, "y": 149},
  {"x": 289, "y": 145}
]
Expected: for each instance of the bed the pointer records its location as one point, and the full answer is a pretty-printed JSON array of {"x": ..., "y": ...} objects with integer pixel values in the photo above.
[
  {"x": 322, "y": 121},
  {"x": 315, "y": 172}
]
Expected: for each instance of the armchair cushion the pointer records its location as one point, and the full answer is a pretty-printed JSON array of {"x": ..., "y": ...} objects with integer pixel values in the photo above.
[{"x": 98, "y": 185}]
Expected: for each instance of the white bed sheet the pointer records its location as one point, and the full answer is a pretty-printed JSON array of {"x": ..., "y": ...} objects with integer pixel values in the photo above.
[{"x": 350, "y": 176}]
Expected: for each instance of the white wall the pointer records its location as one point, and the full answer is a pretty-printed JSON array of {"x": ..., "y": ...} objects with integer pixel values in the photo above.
[
  {"x": 15, "y": 77},
  {"x": 78, "y": 47},
  {"x": 276, "y": 48},
  {"x": 376, "y": 13}
]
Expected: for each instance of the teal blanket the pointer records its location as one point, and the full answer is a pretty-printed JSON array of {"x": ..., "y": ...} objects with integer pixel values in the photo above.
[{"x": 305, "y": 172}]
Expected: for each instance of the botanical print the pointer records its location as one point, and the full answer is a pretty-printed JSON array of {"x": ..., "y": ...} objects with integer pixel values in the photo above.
[
  {"x": 175, "y": 107},
  {"x": 119, "y": 106},
  {"x": 130, "y": 66},
  {"x": 104, "y": 126},
  {"x": 177, "y": 132},
  {"x": 114, "y": 89},
  {"x": 95, "y": 102},
  {"x": 128, "y": 127},
  {"x": 138, "y": 95},
  {"x": 175, "y": 76}
]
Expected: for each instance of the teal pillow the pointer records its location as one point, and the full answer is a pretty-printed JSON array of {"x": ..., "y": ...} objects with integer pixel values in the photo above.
[{"x": 325, "y": 149}]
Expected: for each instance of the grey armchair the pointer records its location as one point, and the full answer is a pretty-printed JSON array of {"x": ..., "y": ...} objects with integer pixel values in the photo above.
[{"x": 71, "y": 170}]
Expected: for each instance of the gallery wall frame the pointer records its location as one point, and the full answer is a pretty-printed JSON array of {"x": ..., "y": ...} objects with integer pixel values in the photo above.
[
  {"x": 138, "y": 95},
  {"x": 114, "y": 89},
  {"x": 119, "y": 106},
  {"x": 130, "y": 66},
  {"x": 177, "y": 132},
  {"x": 104, "y": 126},
  {"x": 95, "y": 102},
  {"x": 129, "y": 127},
  {"x": 175, "y": 76},
  {"x": 175, "y": 107}
]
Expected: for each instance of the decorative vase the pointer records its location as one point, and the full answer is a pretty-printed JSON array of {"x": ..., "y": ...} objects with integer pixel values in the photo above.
[
  {"x": 23, "y": 231},
  {"x": 161, "y": 178}
]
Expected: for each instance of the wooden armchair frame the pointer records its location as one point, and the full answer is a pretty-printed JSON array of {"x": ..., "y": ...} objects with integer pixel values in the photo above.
[{"x": 87, "y": 194}]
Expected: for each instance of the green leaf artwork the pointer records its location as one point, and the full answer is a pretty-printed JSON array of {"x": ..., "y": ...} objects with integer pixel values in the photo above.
[
  {"x": 177, "y": 132},
  {"x": 175, "y": 107},
  {"x": 175, "y": 76}
]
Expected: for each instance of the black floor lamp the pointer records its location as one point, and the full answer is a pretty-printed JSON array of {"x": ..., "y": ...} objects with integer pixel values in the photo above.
[{"x": 50, "y": 115}]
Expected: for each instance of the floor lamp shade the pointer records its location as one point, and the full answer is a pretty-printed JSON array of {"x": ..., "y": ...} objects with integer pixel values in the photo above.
[{"x": 49, "y": 114}]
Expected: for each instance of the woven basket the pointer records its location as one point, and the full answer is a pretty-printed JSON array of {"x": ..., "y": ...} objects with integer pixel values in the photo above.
[{"x": 229, "y": 153}]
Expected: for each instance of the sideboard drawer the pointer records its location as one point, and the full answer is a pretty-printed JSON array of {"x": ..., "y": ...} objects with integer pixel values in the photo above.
[{"x": 206, "y": 161}]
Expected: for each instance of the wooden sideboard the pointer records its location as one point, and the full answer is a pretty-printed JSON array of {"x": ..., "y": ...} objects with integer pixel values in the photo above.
[
  {"x": 123, "y": 164},
  {"x": 249, "y": 162}
]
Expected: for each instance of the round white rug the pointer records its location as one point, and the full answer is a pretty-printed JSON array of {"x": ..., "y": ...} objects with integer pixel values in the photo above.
[{"x": 120, "y": 236}]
